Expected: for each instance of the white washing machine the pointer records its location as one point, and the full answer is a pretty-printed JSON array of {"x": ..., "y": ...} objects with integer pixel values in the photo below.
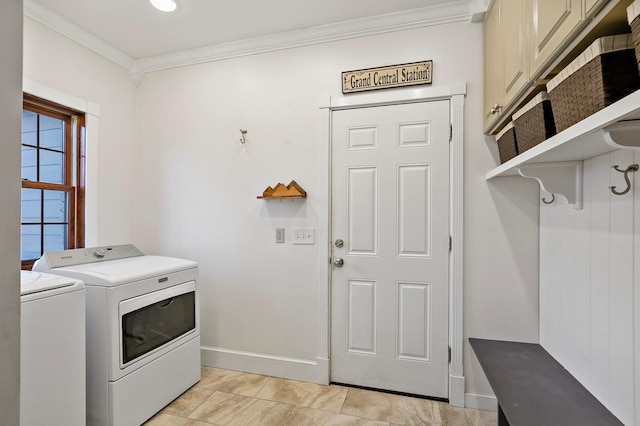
[
  {"x": 143, "y": 329},
  {"x": 52, "y": 350}
]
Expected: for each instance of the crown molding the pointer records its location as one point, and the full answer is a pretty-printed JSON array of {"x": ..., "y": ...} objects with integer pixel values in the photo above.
[
  {"x": 50, "y": 19},
  {"x": 462, "y": 10},
  {"x": 381, "y": 24}
]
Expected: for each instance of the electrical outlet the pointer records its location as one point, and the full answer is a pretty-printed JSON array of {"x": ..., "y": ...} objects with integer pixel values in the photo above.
[
  {"x": 280, "y": 235},
  {"x": 303, "y": 236}
]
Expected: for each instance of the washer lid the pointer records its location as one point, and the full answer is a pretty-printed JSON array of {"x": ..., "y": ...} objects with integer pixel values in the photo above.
[{"x": 38, "y": 282}]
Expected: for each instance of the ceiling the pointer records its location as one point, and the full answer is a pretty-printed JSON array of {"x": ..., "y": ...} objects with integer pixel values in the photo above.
[{"x": 134, "y": 29}]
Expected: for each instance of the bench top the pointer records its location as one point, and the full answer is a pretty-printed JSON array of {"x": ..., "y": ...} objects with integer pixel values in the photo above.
[{"x": 533, "y": 389}]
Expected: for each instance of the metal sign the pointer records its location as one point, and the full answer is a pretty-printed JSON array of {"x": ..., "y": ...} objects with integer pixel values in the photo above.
[{"x": 387, "y": 77}]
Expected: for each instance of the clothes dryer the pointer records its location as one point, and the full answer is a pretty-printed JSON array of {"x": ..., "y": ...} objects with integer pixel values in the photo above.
[{"x": 143, "y": 329}]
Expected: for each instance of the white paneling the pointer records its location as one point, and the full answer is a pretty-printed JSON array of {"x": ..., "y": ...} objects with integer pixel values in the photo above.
[
  {"x": 599, "y": 271},
  {"x": 621, "y": 293},
  {"x": 636, "y": 284},
  {"x": 362, "y": 212},
  {"x": 414, "y": 219},
  {"x": 362, "y": 138},
  {"x": 414, "y": 307},
  {"x": 581, "y": 341},
  {"x": 361, "y": 316},
  {"x": 587, "y": 271},
  {"x": 414, "y": 134}
]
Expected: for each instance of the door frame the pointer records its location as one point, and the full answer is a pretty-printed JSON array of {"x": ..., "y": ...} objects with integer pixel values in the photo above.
[{"x": 455, "y": 94}]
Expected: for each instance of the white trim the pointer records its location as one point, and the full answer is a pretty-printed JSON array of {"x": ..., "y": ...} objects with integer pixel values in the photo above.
[
  {"x": 54, "y": 95},
  {"x": 382, "y": 24},
  {"x": 456, "y": 257},
  {"x": 50, "y": 19},
  {"x": 264, "y": 364},
  {"x": 92, "y": 127},
  {"x": 457, "y": 11},
  {"x": 456, "y": 94},
  {"x": 380, "y": 98},
  {"x": 481, "y": 402},
  {"x": 324, "y": 227}
]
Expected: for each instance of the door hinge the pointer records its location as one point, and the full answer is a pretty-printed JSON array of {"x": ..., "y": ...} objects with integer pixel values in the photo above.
[
  {"x": 449, "y": 353},
  {"x": 450, "y": 242},
  {"x": 450, "y": 132}
]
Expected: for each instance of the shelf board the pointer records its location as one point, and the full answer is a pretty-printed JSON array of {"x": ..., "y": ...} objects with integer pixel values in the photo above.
[
  {"x": 581, "y": 141},
  {"x": 282, "y": 192}
]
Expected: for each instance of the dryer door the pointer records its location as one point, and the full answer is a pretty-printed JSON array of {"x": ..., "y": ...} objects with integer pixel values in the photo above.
[{"x": 151, "y": 321}]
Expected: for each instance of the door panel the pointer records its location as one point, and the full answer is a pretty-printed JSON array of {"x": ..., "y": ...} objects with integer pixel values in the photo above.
[
  {"x": 362, "y": 316},
  {"x": 362, "y": 210},
  {"x": 551, "y": 24},
  {"x": 414, "y": 236},
  {"x": 414, "y": 300},
  {"x": 390, "y": 205}
]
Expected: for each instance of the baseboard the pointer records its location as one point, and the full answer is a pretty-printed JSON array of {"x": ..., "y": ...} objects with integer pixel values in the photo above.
[
  {"x": 481, "y": 402},
  {"x": 456, "y": 391},
  {"x": 315, "y": 371}
]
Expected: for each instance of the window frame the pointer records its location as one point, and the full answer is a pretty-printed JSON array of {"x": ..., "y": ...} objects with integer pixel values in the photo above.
[{"x": 74, "y": 169}]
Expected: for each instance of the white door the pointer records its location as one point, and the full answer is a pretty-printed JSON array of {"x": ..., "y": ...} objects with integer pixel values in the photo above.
[{"x": 390, "y": 208}]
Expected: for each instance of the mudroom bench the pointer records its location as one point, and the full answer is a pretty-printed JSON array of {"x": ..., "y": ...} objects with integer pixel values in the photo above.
[{"x": 533, "y": 389}]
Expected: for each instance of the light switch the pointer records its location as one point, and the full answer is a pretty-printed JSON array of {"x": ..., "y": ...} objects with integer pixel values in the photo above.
[
  {"x": 280, "y": 235},
  {"x": 304, "y": 236}
]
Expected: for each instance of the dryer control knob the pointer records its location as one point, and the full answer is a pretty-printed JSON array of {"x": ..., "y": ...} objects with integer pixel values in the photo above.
[{"x": 99, "y": 253}]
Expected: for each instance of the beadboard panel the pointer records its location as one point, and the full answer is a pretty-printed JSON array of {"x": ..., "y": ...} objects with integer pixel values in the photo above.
[{"x": 588, "y": 269}]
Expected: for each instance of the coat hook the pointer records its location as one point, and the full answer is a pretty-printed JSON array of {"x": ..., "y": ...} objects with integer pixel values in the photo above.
[
  {"x": 631, "y": 168},
  {"x": 553, "y": 198},
  {"x": 243, "y": 133}
]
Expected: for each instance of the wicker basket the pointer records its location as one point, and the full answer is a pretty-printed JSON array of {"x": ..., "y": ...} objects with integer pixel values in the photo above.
[
  {"x": 633, "y": 15},
  {"x": 601, "y": 75},
  {"x": 507, "y": 147},
  {"x": 534, "y": 122}
]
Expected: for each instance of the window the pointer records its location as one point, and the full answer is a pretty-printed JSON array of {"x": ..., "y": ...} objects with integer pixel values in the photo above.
[{"x": 52, "y": 207}]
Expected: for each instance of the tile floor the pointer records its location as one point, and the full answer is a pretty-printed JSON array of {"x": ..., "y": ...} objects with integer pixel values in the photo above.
[{"x": 225, "y": 397}]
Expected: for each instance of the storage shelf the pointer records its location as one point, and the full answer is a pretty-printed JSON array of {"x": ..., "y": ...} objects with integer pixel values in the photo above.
[
  {"x": 583, "y": 140},
  {"x": 282, "y": 192}
]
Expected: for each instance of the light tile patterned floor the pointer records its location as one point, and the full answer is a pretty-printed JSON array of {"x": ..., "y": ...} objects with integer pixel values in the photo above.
[{"x": 232, "y": 398}]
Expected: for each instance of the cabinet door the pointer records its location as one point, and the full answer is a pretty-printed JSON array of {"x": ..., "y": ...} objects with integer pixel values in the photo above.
[
  {"x": 592, "y": 6},
  {"x": 492, "y": 60},
  {"x": 513, "y": 34},
  {"x": 551, "y": 23}
]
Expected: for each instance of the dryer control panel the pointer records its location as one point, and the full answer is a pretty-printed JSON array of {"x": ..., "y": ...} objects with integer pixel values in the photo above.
[{"x": 57, "y": 259}]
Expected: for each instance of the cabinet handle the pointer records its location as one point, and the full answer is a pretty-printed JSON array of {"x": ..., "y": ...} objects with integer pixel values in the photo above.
[{"x": 495, "y": 109}]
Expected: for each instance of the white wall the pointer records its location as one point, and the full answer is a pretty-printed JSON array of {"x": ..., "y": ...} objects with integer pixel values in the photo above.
[
  {"x": 198, "y": 188},
  {"x": 10, "y": 123},
  {"x": 175, "y": 180},
  {"x": 63, "y": 66},
  {"x": 589, "y": 269}
]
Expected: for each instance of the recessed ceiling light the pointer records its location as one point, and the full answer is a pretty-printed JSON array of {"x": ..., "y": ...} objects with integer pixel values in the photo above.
[{"x": 164, "y": 5}]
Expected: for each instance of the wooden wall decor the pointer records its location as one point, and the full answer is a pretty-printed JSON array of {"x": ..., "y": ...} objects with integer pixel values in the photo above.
[{"x": 293, "y": 190}]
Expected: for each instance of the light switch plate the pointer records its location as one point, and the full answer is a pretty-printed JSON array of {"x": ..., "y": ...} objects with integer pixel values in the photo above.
[
  {"x": 304, "y": 236},
  {"x": 280, "y": 235}
]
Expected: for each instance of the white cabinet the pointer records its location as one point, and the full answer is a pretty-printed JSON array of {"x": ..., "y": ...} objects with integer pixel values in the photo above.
[
  {"x": 590, "y": 7},
  {"x": 526, "y": 41},
  {"x": 551, "y": 23},
  {"x": 506, "y": 67}
]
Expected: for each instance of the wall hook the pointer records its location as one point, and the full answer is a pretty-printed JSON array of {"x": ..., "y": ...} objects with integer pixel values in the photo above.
[
  {"x": 551, "y": 201},
  {"x": 243, "y": 133},
  {"x": 631, "y": 168}
]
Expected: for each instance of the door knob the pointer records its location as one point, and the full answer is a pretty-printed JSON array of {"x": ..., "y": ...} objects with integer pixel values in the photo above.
[{"x": 338, "y": 262}]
